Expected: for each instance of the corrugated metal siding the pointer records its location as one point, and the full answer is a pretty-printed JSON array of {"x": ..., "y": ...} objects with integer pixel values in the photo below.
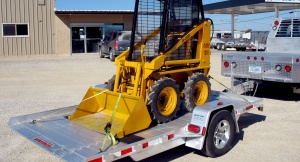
[{"x": 40, "y": 19}]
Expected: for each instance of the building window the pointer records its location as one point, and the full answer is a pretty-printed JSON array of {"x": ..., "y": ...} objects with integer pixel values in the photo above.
[{"x": 13, "y": 30}]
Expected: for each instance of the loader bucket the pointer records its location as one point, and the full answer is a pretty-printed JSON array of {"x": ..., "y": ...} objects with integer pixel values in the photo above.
[{"x": 98, "y": 105}]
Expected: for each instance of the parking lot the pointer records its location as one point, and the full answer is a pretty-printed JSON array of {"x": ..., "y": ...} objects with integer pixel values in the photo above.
[{"x": 35, "y": 84}]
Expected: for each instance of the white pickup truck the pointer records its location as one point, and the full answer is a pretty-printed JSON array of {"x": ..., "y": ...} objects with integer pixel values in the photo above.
[{"x": 280, "y": 63}]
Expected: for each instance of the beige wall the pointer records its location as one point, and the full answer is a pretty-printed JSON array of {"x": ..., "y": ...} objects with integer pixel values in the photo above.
[
  {"x": 63, "y": 22},
  {"x": 40, "y": 18},
  {"x": 48, "y": 33}
]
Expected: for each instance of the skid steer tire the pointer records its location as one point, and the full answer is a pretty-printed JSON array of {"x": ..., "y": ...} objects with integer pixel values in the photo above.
[
  {"x": 163, "y": 100},
  {"x": 220, "y": 135},
  {"x": 196, "y": 91},
  {"x": 111, "y": 83}
]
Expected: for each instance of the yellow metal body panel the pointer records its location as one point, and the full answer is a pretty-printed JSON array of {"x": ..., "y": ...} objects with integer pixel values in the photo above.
[
  {"x": 134, "y": 80},
  {"x": 97, "y": 111}
]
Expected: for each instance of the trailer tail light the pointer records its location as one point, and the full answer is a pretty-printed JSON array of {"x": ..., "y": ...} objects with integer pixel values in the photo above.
[
  {"x": 297, "y": 60},
  {"x": 126, "y": 151},
  {"x": 248, "y": 58},
  {"x": 278, "y": 67},
  {"x": 194, "y": 128},
  {"x": 288, "y": 68},
  {"x": 145, "y": 145},
  {"x": 226, "y": 64},
  {"x": 255, "y": 58},
  {"x": 203, "y": 131},
  {"x": 276, "y": 23},
  {"x": 171, "y": 136},
  {"x": 262, "y": 59}
]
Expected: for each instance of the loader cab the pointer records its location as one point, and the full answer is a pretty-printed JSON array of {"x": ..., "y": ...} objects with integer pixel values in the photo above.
[{"x": 163, "y": 23}]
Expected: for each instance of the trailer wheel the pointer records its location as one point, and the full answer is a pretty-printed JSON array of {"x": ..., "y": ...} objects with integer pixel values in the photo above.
[
  {"x": 218, "y": 47},
  {"x": 163, "y": 100},
  {"x": 223, "y": 47},
  {"x": 219, "y": 135},
  {"x": 111, "y": 83},
  {"x": 196, "y": 91}
]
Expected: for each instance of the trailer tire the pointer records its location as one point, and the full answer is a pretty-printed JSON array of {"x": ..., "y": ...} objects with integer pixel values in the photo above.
[
  {"x": 220, "y": 134},
  {"x": 223, "y": 47},
  {"x": 196, "y": 91},
  {"x": 218, "y": 47},
  {"x": 163, "y": 100},
  {"x": 111, "y": 83}
]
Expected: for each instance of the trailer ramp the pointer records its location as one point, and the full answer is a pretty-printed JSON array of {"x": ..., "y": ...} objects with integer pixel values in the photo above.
[{"x": 71, "y": 142}]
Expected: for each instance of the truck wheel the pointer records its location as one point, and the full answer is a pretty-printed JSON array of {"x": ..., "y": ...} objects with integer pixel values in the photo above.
[
  {"x": 111, "y": 83},
  {"x": 223, "y": 47},
  {"x": 101, "y": 55},
  {"x": 111, "y": 55},
  {"x": 163, "y": 100},
  {"x": 219, "y": 135},
  {"x": 218, "y": 47},
  {"x": 196, "y": 91}
]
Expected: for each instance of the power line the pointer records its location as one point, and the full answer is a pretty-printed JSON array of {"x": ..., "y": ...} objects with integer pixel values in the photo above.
[{"x": 252, "y": 19}]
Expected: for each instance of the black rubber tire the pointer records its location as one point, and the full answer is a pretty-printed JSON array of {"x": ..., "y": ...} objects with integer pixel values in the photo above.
[
  {"x": 154, "y": 100},
  {"x": 223, "y": 47},
  {"x": 189, "y": 90},
  {"x": 101, "y": 55},
  {"x": 218, "y": 47},
  {"x": 111, "y": 55},
  {"x": 209, "y": 147},
  {"x": 111, "y": 83}
]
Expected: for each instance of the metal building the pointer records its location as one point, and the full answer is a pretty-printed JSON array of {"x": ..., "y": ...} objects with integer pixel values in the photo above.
[
  {"x": 34, "y": 27},
  {"x": 27, "y": 27}
]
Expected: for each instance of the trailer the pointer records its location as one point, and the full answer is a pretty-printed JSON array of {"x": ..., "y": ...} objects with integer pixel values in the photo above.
[
  {"x": 210, "y": 128},
  {"x": 280, "y": 64},
  {"x": 257, "y": 40},
  {"x": 239, "y": 44},
  {"x": 156, "y": 100}
]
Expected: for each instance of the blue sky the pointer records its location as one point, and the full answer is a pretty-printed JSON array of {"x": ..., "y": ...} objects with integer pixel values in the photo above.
[{"x": 222, "y": 22}]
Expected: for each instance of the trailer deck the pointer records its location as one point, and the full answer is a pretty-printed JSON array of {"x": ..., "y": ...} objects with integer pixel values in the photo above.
[{"x": 71, "y": 142}]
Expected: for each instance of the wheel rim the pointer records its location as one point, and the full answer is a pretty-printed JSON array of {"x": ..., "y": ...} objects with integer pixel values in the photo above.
[
  {"x": 167, "y": 100},
  {"x": 221, "y": 134},
  {"x": 200, "y": 93}
]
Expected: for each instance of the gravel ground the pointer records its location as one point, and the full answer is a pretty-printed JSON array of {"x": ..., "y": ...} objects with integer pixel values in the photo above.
[{"x": 37, "y": 84}]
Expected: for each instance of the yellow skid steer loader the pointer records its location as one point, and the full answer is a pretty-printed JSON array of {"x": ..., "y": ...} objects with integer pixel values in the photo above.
[{"x": 168, "y": 60}]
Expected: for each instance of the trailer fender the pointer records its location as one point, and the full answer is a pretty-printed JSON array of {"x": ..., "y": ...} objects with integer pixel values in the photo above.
[{"x": 201, "y": 117}]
